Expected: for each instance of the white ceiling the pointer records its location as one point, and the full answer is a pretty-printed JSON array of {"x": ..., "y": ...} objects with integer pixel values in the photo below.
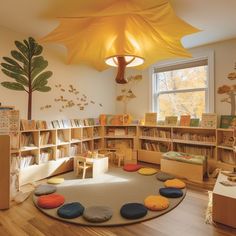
[{"x": 216, "y": 18}]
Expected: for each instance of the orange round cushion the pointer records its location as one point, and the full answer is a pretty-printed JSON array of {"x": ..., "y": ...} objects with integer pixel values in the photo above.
[
  {"x": 156, "y": 202},
  {"x": 175, "y": 183},
  {"x": 50, "y": 201}
]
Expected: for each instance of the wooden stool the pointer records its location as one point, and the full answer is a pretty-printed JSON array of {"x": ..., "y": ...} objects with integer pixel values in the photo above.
[{"x": 82, "y": 164}]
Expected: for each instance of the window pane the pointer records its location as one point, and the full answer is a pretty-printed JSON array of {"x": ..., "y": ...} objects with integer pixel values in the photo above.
[
  {"x": 188, "y": 78},
  {"x": 192, "y": 103}
]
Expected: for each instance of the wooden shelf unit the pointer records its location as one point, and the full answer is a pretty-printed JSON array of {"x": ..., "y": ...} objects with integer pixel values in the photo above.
[
  {"x": 48, "y": 152},
  {"x": 149, "y": 142},
  {"x": 192, "y": 140}
]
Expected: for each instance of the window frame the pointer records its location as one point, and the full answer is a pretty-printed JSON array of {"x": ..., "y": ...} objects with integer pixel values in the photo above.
[{"x": 210, "y": 93}]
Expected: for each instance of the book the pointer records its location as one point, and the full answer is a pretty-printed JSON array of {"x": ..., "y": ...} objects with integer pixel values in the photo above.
[
  {"x": 209, "y": 120},
  {"x": 102, "y": 119},
  {"x": 28, "y": 124},
  {"x": 171, "y": 120},
  {"x": 185, "y": 120},
  {"x": 194, "y": 122},
  {"x": 227, "y": 121},
  {"x": 150, "y": 118}
]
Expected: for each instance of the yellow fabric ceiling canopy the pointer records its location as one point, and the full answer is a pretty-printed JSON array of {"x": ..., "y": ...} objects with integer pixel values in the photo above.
[{"x": 95, "y": 30}]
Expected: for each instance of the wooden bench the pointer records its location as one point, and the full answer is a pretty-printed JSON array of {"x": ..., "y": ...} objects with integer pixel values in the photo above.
[{"x": 184, "y": 168}]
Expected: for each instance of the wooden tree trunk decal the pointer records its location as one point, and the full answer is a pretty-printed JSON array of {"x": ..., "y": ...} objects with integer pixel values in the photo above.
[
  {"x": 26, "y": 68},
  {"x": 230, "y": 92}
]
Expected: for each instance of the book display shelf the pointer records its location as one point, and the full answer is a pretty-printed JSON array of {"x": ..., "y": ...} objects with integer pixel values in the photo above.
[
  {"x": 48, "y": 152},
  {"x": 216, "y": 144}
]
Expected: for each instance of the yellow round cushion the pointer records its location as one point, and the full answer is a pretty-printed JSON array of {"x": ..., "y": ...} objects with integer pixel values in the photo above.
[
  {"x": 156, "y": 202},
  {"x": 55, "y": 180},
  {"x": 175, "y": 183},
  {"x": 147, "y": 171}
]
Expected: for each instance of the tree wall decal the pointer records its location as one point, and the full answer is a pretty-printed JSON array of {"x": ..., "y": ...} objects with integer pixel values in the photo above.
[
  {"x": 230, "y": 91},
  {"x": 27, "y": 67}
]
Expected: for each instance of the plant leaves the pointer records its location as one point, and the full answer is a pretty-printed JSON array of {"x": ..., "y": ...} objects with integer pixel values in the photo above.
[
  {"x": 38, "y": 50},
  {"x": 41, "y": 80},
  {"x": 13, "y": 86},
  {"x": 19, "y": 78},
  {"x": 14, "y": 69},
  {"x": 18, "y": 56},
  {"x": 32, "y": 45},
  {"x": 39, "y": 68},
  {"x": 11, "y": 61},
  {"x": 23, "y": 49},
  {"x": 43, "y": 89},
  {"x": 26, "y": 43},
  {"x": 37, "y": 61}
]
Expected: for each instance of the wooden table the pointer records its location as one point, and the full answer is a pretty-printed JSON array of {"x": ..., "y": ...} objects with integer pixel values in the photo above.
[
  {"x": 100, "y": 165},
  {"x": 224, "y": 203}
]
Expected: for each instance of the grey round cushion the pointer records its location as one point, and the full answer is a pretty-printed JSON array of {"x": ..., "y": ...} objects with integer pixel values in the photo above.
[
  {"x": 98, "y": 214},
  {"x": 45, "y": 189},
  {"x": 162, "y": 176}
]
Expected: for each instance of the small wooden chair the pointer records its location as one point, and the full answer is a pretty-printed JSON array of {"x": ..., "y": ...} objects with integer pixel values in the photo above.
[{"x": 82, "y": 164}]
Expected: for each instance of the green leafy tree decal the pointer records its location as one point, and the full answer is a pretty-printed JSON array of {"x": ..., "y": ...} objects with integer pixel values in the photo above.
[{"x": 27, "y": 67}]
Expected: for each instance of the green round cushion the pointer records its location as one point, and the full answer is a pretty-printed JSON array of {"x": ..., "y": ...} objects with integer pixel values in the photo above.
[
  {"x": 55, "y": 180},
  {"x": 147, "y": 171},
  {"x": 162, "y": 176},
  {"x": 45, "y": 189},
  {"x": 98, "y": 214}
]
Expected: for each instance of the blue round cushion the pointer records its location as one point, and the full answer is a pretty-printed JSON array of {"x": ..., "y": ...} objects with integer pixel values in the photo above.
[
  {"x": 133, "y": 211},
  {"x": 171, "y": 192},
  {"x": 70, "y": 210}
]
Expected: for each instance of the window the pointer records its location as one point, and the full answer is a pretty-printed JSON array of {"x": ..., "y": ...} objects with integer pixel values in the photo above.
[{"x": 182, "y": 88}]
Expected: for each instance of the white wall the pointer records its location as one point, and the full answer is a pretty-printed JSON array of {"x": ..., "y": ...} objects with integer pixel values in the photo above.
[
  {"x": 97, "y": 86},
  {"x": 225, "y": 59}
]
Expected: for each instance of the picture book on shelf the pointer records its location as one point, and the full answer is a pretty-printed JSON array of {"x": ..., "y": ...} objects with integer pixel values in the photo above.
[
  {"x": 150, "y": 118},
  {"x": 102, "y": 119},
  {"x": 28, "y": 124},
  {"x": 227, "y": 121},
  {"x": 194, "y": 122},
  {"x": 171, "y": 120},
  {"x": 185, "y": 120},
  {"x": 209, "y": 120}
]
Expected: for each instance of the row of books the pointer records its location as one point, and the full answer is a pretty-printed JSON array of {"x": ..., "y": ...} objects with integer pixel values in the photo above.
[
  {"x": 45, "y": 156},
  {"x": 96, "y": 132},
  {"x": 116, "y": 143},
  {"x": 97, "y": 144},
  {"x": 45, "y": 138},
  {"x": 121, "y": 131},
  {"x": 123, "y": 119},
  {"x": 75, "y": 149},
  {"x": 194, "y": 137},
  {"x": 204, "y": 151},
  {"x": 87, "y": 133},
  {"x": 228, "y": 157},
  {"x": 27, "y": 140},
  {"x": 61, "y": 152},
  {"x": 61, "y": 136},
  {"x": 155, "y": 146},
  {"x": 86, "y": 146},
  {"x": 56, "y": 124},
  {"x": 26, "y": 161},
  {"x": 154, "y": 132}
]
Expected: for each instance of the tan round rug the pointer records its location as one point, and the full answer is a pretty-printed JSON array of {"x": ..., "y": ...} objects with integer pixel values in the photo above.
[{"x": 114, "y": 189}]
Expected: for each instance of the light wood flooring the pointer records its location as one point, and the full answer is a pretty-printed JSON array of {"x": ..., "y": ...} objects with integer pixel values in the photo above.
[{"x": 187, "y": 219}]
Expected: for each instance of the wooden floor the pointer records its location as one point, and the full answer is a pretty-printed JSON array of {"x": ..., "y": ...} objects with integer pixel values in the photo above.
[{"x": 185, "y": 220}]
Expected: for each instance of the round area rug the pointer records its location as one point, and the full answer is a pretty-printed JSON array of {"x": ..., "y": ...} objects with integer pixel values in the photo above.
[{"x": 113, "y": 189}]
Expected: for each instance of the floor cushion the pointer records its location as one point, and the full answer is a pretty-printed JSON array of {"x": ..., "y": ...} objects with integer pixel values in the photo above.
[
  {"x": 45, "y": 189},
  {"x": 97, "y": 214},
  {"x": 175, "y": 183},
  {"x": 50, "y": 201},
  {"x": 131, "y": 167},
  {"x": 70, "y": 210},
  {"x": 133, "y": 211},
  {"x": 156, "y": 202},
  {"x": 171, "y": 192},
  {"x": 55, "y": 180},
  {"x": 162, "y": 176},
  {"x": 147, "y": 171}
]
